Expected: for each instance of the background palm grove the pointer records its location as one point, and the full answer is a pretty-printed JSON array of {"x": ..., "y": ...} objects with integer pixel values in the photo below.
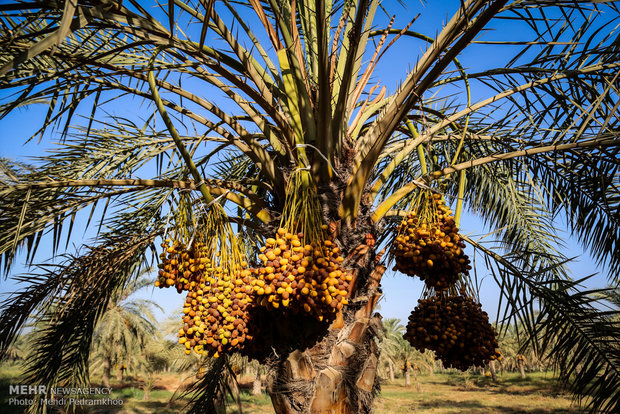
[{"x": 260, "y": 120}]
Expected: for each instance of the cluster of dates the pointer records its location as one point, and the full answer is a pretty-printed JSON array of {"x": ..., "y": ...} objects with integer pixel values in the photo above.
[
  {"x": 429, "y": 246},
  {"x": 286, "y": 302},
  {"x": 456, "y": 328},
  {"x": 302, "y": 277}
]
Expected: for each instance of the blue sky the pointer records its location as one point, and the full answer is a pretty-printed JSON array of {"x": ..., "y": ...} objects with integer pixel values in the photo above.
[{"x": 400, "y": 292}]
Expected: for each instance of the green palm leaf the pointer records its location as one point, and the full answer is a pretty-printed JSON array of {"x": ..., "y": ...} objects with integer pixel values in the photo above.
[
  {"x": 569, "y": 328},
  {"x": 64, "y": 326}
]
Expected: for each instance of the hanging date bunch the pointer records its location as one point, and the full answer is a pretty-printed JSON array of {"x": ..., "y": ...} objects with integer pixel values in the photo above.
[
  {"x": 182, "y": 266},
  {"x": 185, "y": 257},
  {"x": 428, "y": 244},
  {"x": 300, "y": 281},
  {"x": 217, "y": 314},
  {"x": 211, "y": 268},
  {"x": 301, "y": 268},
  {"x": 218, "y": 309},
  {"x": 456, "y": 328}
]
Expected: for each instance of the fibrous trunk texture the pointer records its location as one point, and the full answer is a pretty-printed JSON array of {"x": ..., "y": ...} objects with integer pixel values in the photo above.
[{"x": 339, "y": 374}]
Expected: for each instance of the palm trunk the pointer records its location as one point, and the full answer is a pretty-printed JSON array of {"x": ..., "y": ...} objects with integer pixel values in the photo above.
[
  {"x": 107, "y": 366},
  {"x": 493, "y": 371},
  {"x": 521, "y": 368},
  {"x": 257, "y": 385},
  {"x": 407, "y": 372},
  {"x": 337, "y": 375},
  {"x": 148, "y": 386},
  {"x": 563, "y": 376},
  {"x": 391, "y": 370}
]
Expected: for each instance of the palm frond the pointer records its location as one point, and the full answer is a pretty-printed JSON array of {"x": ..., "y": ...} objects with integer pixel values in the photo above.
[
  {"x": 66, "y": 314},
  {"x": 586, "y": 187},
  {"x": 570, "y": 328},
  {"x": 511, "y": 206},
  {"x": 206, "y": 394}
]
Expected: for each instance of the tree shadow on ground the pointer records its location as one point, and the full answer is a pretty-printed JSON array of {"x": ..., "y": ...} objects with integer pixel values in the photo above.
[
  {"x": 476, "y": 407},
  {"x": 505, "y": 390},
  {"x": 544, "y": 387}
]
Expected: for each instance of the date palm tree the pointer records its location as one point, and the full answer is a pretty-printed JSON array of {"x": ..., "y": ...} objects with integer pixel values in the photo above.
[
  {"x": 392, "y": 336},
  {"x": 408, "y": 359},
  {"x": 124, "y": 331},
  {"x": 250, "y": 92}
]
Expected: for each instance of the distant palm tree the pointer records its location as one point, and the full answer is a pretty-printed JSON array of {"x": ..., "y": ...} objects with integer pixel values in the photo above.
[
  {"x": 517, "y": 351},
  {"x": 390, "y": 344},
  {"x": 124, "y": 331},
  {"x": 408, "y": 358}
]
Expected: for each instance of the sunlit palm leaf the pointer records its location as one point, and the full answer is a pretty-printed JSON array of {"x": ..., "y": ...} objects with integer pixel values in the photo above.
[{"x": 569, "y": 328}]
